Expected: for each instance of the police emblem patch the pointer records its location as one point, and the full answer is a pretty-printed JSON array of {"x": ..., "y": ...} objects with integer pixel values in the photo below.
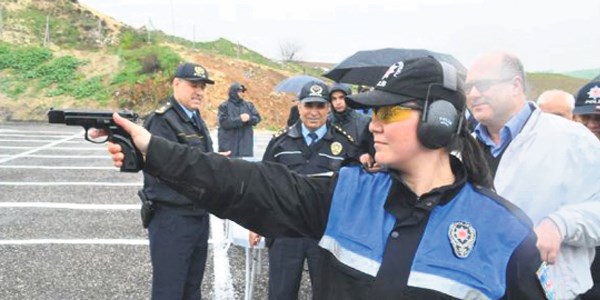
[
  {"x": 199, "y": 71},
  {"x": 316, "y": 91},
  {"x": 462, "y": 237},
  {"x": 336, "y": 148},
  {"x": 594, "y": 95}
]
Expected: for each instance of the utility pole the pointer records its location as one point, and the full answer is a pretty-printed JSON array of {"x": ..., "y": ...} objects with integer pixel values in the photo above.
[
  {"x": 148, "y": 30},
  {"x": 173, "y": 19},
  {"x": 1, "y": 22},
  {"x": 47, "y": 33}
]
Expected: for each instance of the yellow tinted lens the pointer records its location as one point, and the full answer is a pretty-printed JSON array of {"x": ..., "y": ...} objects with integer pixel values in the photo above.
[{"x": 391, "y": 114}]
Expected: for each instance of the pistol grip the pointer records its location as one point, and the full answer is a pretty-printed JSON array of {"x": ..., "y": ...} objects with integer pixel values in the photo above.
[{"x": 133, "y": 159}]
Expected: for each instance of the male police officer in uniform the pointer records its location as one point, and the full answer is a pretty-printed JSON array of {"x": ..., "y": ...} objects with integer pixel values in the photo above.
[
  {"x": 178, "y": 230},
  {"x": 311, "y": 146}
]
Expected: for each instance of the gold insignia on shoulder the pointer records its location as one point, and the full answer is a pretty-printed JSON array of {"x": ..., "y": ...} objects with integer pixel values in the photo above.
[
  {"x": 344, "y": 133},
  {"x": 163, "y": 109},
  {"x": 280, "y": 132},
  {"x": 336, "y": 148}
]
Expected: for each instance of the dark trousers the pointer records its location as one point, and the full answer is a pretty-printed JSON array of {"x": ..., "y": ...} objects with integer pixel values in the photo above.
[
  {"x": 178, "y": 249},
  {"x": 286, "y": 263},
  {"x": 594, "y": 292}
]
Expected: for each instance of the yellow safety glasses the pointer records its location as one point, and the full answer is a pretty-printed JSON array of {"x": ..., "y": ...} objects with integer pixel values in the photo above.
[{"x": 392, "y": 113}]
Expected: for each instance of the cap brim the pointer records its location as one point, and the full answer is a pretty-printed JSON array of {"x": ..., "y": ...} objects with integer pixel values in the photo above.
[
  {"x": 313, "y": 99},
  {"x": 585, "y": 110},
  {"x": 208, "y": 81},
  {"x": 376, "y": 98}
]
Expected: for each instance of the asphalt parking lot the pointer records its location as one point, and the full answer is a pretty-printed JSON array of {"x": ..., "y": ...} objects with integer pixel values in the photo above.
[{"x": 70, "y": 225}]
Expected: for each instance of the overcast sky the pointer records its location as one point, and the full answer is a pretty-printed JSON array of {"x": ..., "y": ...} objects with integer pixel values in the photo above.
[{"x": 546, "y": 35}]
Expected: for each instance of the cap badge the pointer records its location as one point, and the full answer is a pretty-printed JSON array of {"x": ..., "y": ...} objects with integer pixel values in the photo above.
[
  {"x": 462, "y": 237},
  {"x": 336, "y": 148},
  {"x": 394, "y": 70},
  {"x": 199, "y": 71},
  {"x": 594, "y": 94},
  {"x": 316, "y": 91}
]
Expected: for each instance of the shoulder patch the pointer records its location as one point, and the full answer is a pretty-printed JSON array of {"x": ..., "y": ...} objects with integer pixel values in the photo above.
[
  {"x": 163, "y": 109},
  {"x": 281, "y": 132},
  {"x": 343, "y": 132}
]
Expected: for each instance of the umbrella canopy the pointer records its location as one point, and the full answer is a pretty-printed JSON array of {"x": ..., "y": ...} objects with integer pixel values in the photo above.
[
  {"x": 295, "y": 83},
  {"x": 367, "y": 67}
]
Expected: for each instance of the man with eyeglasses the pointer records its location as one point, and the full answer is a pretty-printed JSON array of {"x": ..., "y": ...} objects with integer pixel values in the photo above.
[
  {"x": 546, "y": 165},
  {"x": 312, "y": 146}
]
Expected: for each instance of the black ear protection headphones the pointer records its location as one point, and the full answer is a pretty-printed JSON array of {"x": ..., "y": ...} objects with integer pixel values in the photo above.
[{"x": 440, "y": 122}]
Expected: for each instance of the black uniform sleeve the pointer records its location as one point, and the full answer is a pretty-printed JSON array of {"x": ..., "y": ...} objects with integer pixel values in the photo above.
[
  {"x": 254, "y": 115},
  {"x": 521, "y": 278},
  {"x": 266, "y": 198},
  {"x": 226, "y": 120}
]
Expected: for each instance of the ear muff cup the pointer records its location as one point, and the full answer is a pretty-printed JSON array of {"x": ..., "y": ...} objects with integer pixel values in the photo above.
[{"x": 438, "y": 124}]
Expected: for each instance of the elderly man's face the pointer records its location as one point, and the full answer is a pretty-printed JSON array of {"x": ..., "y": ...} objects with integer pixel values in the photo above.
[
  {"x": 189, "y": 94},
  {"x": 313, "y": 114}
]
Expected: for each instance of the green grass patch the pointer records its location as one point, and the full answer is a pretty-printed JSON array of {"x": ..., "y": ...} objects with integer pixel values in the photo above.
[{"x": 139, "y": 64}]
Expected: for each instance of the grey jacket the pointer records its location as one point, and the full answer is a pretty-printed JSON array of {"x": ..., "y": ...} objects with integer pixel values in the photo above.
[{"x": 551, "y": 169}]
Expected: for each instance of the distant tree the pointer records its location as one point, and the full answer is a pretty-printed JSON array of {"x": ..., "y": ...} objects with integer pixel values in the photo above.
[{"x": 289, "y": 51}]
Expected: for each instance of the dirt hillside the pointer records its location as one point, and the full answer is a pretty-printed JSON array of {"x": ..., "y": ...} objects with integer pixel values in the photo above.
[{"x": 101, "y": 61}]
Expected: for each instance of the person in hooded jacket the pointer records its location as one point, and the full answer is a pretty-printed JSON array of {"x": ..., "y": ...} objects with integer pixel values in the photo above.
[
  {"x": 236, "y": 120},
  {"x": 353, "y": 123},
  {"x": 428, "y": 226}
]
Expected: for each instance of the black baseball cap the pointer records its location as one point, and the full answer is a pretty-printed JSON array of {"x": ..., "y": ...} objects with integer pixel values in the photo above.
[
  {"x": 414, "y": 79},
  {"x": 314, "y": 91},
  {"x": 192, "y": 72},
  {"x": 588, "y": 97}
]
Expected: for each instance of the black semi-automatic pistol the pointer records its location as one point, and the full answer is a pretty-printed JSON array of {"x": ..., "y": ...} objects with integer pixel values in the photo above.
[{"x": 133, "y": 161}]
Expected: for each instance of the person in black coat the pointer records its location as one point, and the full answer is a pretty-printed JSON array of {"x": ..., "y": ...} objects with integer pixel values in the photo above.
[{"x": 237, "y": 117}]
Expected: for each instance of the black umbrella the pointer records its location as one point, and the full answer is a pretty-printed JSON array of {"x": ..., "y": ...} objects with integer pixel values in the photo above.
[
  {"x": 597, "y": 78},
  {"x": 367, "y": 67}
]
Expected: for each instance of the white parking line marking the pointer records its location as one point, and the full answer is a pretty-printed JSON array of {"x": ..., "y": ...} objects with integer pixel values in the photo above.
[
  {"x": 54, "y": 183},
  {"x": 3, "y": 131},
  {"x": 133, "y": 242},
  {"x": 37, "y": 149},
  {"x": 57, "y": 167},
  {"x": 223, "y": 282},
  {"x": 52, "y": 148},
  {"x": 78, "y": 206},
  {"x": 43, "y": 141},
  {"x": 38, "y": 135},
  {"x": 107, "y": 156},
  {"x": 76, "y": 242}
]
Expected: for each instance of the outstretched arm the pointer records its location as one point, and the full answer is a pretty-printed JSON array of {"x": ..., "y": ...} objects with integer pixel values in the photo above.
[{"x": 264, "y": 197}]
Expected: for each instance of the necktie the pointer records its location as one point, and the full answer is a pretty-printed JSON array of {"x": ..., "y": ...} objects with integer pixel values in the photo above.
[
  {"x": 196, "y": 120},
  {"x": 313, "y": 138}
]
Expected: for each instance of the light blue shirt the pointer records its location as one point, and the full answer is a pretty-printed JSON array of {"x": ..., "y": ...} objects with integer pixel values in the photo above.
[
  {"x": 507, "y": 133},
  {"x": 188, "y": 112},
  {"x": 320, "y": 133}
]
